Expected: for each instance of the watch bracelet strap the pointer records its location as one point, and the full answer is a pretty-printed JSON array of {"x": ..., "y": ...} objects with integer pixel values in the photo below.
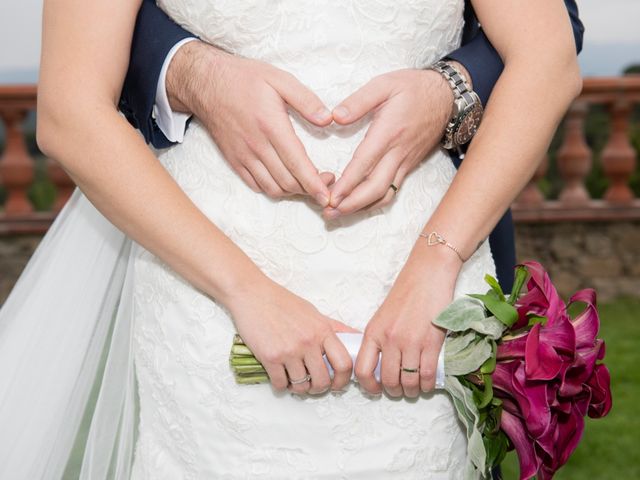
[
  {"x": 456, "y": 80},
  {"x": 460, "y": 88}
]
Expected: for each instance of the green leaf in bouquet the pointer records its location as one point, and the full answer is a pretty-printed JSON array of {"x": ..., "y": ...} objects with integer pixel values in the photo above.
[
  {"x": 533, "y": 319},
  {"x": 495, "y": 286},
  {"x": 489, "y": 365},
  {"x": 521, "y": 275},
  {"x": 496, "y": 447},
  {"x": 494, "y": 412},
  {"x": 468, "y": 414},
  {"x": 456, "y": 342},
  {"x": 490, "y": 327},
  {"x": 468, "y": 359},
  {"x": 483, "y": 396},
  {"x": 459, "y": 314},
  {"x": 502, "y": 310}
]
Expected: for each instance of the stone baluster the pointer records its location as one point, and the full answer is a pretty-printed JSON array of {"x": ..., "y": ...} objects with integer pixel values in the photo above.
[
  {"x": 62, "y": 181},
  {"x": 16, "y": 165},
  {"x": 618, "y": 156},
  {"x": 574, "y": 157},
  {"x": 531, "y": 196}
]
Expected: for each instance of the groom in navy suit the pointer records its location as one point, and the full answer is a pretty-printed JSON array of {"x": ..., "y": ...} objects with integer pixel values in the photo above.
[{"x": 157, "y": 39}]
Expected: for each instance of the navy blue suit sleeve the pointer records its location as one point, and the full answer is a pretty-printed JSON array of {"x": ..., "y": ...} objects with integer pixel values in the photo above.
[
  {"x": 154, "y": 36},
  {"x": 482, "y": 60}
]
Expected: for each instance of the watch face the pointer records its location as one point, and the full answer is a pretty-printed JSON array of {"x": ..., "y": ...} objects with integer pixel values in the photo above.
[{"x": 468, "y": 125}]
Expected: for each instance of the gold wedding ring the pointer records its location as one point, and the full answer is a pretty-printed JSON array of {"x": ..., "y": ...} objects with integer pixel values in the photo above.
[
  {"x": 410, "y": 370},
  {"x": 306, "y": 378}
]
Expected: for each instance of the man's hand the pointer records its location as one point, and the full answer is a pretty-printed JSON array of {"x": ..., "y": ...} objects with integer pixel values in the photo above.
[
  {"x": 411, "y": 110},
  {"x": 243, "y": 105}
]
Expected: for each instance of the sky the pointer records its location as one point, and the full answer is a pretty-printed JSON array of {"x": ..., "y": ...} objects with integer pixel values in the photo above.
[{"x": 612, "y": 37}]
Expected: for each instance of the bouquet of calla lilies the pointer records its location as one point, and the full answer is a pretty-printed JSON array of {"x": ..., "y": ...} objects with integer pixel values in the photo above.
[{"x": 521, "y": 372}]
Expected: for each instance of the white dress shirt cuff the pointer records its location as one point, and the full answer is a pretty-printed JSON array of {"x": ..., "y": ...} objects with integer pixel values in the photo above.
[{"x": 172, "y": 124}]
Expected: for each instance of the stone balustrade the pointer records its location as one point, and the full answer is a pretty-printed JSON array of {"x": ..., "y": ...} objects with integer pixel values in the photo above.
[
  {"x": 583, "y": 241},
  {"x": 17, "y": 167},
  {"x": 574, "y": 158}
]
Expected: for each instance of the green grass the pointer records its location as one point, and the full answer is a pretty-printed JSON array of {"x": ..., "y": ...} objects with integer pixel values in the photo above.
[{"x": 606, "y": 450}]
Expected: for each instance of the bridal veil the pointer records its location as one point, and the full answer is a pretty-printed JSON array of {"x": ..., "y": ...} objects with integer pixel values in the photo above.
[{"x": 70, "y": 309}]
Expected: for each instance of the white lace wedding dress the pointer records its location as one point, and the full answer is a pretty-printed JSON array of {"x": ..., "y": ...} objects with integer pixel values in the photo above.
[{"x": 195, "y": 421}]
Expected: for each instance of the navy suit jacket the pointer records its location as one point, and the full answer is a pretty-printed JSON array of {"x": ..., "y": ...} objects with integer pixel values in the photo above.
[{"x": 155, "y": 34}]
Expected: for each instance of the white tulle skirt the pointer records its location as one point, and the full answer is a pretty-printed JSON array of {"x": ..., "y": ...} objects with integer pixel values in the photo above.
[{"x": 64, "y": 314}]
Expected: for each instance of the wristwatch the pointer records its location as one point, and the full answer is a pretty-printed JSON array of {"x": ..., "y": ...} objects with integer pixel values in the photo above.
[{"x": 467, "y": 107}]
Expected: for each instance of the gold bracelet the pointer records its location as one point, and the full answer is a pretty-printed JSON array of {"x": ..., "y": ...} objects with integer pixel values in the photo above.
[{"x": 434, "y": 238}]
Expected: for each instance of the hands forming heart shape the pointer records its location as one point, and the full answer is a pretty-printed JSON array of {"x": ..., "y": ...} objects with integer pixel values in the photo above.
[{"x": 243, "y": 103}]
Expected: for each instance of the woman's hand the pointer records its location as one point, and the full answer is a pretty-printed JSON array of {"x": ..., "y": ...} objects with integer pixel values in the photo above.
[
  {"x": 402, "y": 329},
  {"x": 411, "y": 110},
  {"x": 243, "y": 104},
  {"x": 286, "y": 333}
]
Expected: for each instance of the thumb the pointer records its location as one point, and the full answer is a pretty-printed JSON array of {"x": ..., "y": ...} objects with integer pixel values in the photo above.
[
  {"x": 338, "y": 326},
  {"x": 361, "y": 102}
]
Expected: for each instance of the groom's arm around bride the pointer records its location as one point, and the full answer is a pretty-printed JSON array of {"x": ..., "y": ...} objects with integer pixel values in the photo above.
[{"x": 171, "y": 77}]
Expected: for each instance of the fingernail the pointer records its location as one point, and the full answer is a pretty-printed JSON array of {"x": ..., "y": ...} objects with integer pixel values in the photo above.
[
  {"x": 341, "y": 111},
  {"x": 322, "y": 114},
  {"x": 322, "y": 199}
]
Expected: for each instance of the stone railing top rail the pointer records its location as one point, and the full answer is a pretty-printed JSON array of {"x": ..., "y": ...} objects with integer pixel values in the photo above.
[
  {"x": 605, "y": 88},
  {"x": 574, "y": 161},
  {"x": 18, "y": 96}
]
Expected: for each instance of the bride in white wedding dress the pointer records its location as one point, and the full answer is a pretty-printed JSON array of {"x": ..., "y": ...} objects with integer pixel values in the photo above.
[
  {"x": 187, "y": 282},
  {"x": 195, "y": 419}
]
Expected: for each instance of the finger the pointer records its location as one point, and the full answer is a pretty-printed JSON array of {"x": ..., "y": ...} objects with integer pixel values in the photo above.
[
  {"x": 391, "y": 193},
  {"x": 340, "y": 361},
  {"x": 277, "y": 376},
  {"x": 338, "y": 326},
  {"x": 410, "y": 381},
  {"x": 366, "y": 363},
  {"x": 283, "y": 177},
  {"x": 246, "y": 176},
  {"x": 390, "y": 370},
  {"x": 302, "y": 99},
  {"x": 375, "y": 187},
  {"x": 292, "y": 153},
  {"x": 320, "y": 380},
  {"x": 360, "y": 102},
  {"x": 327, "y": 178},
  {"x": 296, "y": 371},
  {"x": 366, "y": 156},
  {"x": 429, "y": 361},
  {"x": 264, "y": 179},
  {"x": 236, "y": 162}
]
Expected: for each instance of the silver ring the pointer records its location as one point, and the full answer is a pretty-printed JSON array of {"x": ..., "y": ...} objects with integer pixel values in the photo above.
[
  {"x": 306, "y": 378},
  {"x": 410, "y": 370}
]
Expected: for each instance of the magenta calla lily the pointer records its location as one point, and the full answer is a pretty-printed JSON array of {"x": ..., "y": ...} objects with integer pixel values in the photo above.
[
  {"x": 548, "y": 376},
  {"x": 515, "y": 429},
  {"x": 541, "y": 299}
]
